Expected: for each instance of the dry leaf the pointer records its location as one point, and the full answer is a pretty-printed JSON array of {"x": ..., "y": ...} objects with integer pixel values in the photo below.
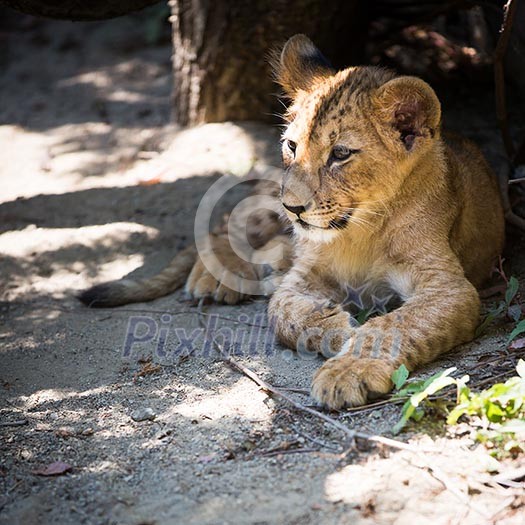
[
  {"x": 149, "y": 182},
  {"x": 53, "y": 469},
  {"x": 518, "y": 344}
]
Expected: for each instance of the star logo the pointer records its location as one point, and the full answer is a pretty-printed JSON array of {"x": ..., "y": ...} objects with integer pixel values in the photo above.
[
  {"x": 354, "y": 296},
  {"x": 320, "y": 306},
  {"x": 379, "y": 304}
]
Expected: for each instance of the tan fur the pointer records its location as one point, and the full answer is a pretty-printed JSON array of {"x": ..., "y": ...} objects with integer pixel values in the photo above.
[
  {"x": 426, "y": 222},
  {"x": 410, "y": 212}
]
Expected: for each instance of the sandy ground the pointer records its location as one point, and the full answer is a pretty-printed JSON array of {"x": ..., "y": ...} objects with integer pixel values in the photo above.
[{"x": 96, "y": 184}]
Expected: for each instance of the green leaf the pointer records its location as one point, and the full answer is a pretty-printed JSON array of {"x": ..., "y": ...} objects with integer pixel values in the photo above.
[
  {"x": 406, "y": 413},
  {"x": 456, "y": 413},
  {"x": 362, "y": 316},
  {"x": 489, "y": 318},
  {"x": 520, "y": 329},
  {"x": 420, "y": 391},
  {"x": 512, "y": 290},
  {"x": 494, "y": 412},
  {"x": 400, "y": 376}
]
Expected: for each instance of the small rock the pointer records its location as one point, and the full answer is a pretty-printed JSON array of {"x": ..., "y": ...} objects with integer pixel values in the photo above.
[{"x": 143, "y": 414}]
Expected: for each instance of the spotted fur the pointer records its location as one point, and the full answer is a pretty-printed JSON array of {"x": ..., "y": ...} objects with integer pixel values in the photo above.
[{"x": 411, "y": 211}]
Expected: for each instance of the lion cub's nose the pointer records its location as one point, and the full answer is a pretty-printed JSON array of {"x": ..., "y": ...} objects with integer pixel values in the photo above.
[{"x": 298, "y": 209}]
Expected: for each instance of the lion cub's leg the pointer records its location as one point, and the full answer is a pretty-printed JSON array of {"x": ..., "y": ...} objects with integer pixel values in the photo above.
[
  {"x": 441, "y": 311},
  {"x": 228, "y": 277},
  {"x": 307, "y": 315}
]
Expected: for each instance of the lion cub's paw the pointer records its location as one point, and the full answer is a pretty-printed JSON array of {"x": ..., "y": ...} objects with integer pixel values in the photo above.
[
  {"x": 202, "y": 283},
  {"x": 349, "y": 381},
  {"x": 219, "y": 273}
]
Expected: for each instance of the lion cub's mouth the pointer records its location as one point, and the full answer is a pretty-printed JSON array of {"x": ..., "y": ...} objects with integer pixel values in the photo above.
[{"x": 334, "y": 224}]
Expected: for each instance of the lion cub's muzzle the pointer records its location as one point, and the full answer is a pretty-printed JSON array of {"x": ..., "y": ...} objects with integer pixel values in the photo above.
[{"x": 308, "y": 217}]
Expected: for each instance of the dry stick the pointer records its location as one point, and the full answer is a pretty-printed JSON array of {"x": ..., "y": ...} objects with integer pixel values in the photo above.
[
  {"x": 501, "y": 111},
  {"x": 503, "y": 177},
  {"x": 279, "y": 394},
  {"x": 294, "y": 390},
  {"x": 18, "y": 423},
  {"x": 284, "y": 452},
  {"x": 377, "y": 404},
  {"x": 509, "y": 478},
  {"x": 314, "y": 440},
  {"x": 499, "y": 75}
]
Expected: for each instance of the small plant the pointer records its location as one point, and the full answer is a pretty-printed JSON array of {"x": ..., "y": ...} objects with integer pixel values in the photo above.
[
  {"x": 518, "y": 330},
  {"x": 499, "y": 411},
  {"x": 508, "y": 306},
  {"x": 419, "y": 392}
]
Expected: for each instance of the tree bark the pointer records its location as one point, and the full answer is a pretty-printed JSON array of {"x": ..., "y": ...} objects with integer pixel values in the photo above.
[
  {"x": 221, "y": 48},
  {"x": 77, "y": 10}
]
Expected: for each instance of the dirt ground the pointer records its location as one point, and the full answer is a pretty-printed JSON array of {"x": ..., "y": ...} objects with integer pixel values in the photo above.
[{"x": 95, "y": 184}]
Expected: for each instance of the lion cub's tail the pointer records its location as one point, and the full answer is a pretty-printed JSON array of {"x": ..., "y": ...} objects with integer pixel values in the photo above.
[{"x": 124, "y": 291}]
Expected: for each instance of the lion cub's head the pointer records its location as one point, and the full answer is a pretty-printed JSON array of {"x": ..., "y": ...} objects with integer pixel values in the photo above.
[{"x": 352, "y": 138}]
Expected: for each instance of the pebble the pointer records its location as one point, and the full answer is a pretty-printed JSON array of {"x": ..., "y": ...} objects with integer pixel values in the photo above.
[{"x": 143, "y": 414}]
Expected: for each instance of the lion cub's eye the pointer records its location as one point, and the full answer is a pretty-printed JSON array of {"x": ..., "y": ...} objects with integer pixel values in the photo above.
[
  {"x": 340, "y": 153},
  {"x": 292, "y": 146}
]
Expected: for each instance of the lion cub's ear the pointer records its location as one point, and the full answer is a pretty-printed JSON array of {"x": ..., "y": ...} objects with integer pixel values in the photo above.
[
  {"x": 300, "y": 65},
  {"x": 410, "y": 106}
]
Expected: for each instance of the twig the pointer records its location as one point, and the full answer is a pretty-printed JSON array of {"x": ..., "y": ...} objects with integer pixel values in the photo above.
[
  {"x": 279, "y": 394},
  {"x": 510, "y": 478},
  {"x": 510, "y": 216},
  {"x": 517, "y": 181},
  {"x": 18, "y": 423},
  {"x": 377, "y": 404},
  {"x": 285, "y": 451},
  {"x": 315, "y": 440},
  {"x": 501, "y": 111},
  {"x": 294, "y": 390},
  {"x": 13, "y": 487},
  {"x": 489, "y": 379},
  {"x": 499, "y": 360},
  {"x": 499, "y": 76}
]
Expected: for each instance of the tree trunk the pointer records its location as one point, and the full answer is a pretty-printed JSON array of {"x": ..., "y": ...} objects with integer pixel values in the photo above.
[
  {"x": 76, "y": 10},
  {"x": 220, "y": 51}
]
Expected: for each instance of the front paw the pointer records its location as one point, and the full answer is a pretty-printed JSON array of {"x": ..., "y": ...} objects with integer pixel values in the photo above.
[{"x": 348, "y": 381}]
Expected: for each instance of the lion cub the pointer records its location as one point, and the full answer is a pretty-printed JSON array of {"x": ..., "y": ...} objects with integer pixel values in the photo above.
[
  {"x": 379, "y": 200},
  {"x": 381, "y": 204}
]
